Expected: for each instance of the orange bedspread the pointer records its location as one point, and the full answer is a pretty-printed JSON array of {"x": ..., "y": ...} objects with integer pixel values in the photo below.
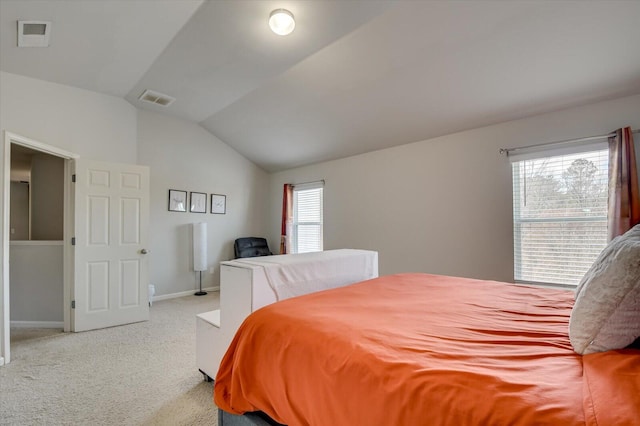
[{"x": 417, "y": 349}]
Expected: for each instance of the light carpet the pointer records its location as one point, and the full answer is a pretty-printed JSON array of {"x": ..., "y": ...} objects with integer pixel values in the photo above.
[{"x": 136, "y": 374}]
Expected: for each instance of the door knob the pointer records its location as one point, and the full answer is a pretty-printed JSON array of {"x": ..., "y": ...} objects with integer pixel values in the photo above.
[{"x": 144, "y": 251}]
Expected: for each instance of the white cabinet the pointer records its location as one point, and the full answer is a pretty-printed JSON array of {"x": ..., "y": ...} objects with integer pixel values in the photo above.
[
  {"x": 243, "y": 289},
  {"x": 249, "y": 284},
  {"x": 207, "y": 330}
]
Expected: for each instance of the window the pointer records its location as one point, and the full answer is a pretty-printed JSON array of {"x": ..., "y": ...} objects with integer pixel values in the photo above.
[
  {"x": 307, "y": 217},
  {"x": 559, "y": 215}
]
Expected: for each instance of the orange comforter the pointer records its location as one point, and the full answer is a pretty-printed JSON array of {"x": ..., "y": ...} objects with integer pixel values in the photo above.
[{"x": 417, "y": 349}]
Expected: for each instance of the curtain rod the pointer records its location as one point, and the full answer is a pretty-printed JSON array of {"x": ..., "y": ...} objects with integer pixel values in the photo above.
[
  {"x": 313, "y": 181},
  {"x": 589, "y": 138}
]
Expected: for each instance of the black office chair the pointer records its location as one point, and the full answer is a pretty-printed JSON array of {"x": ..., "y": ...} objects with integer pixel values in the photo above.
[{"x": 251, "y": 247}]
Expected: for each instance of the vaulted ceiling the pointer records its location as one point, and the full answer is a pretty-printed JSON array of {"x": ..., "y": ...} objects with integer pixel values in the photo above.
[{"x": 355, "y": 75}]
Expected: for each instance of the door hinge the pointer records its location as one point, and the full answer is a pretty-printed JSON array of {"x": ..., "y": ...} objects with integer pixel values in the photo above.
[
  {"x": 73, "y": 241},
  {"x": 73, "y": 178},
  {"x": 73, "y": 304}
]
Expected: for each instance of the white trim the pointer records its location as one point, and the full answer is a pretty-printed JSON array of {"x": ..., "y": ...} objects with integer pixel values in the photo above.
[
  {"x": 68, "y": 250},
  {"x": 37, "y": 324},
  {"x": 182, "y": 294},
  {"x": 38, "y": 146},
  {"x": 1, "y": 361},
  {"x": 5, "y": 322}
]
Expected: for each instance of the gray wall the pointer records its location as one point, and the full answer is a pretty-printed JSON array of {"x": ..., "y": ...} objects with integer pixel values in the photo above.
[
  {"x": 36, "y": 281},
  {"x": 184, "y": 156},
  {"x": 19, "y": 221},
  {"x": 47, "y": 197}
]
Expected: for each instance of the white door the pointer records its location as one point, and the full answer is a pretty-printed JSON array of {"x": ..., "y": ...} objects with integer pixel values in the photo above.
[{"x": 111, "y": 235}]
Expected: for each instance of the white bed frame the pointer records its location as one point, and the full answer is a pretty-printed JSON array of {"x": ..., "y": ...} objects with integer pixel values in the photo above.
[{"x": 244, "y": 288}]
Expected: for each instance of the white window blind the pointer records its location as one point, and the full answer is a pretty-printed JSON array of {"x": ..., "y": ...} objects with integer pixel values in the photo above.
[
  {"x": 560, "y": 215},
  {"x": 307, "y": 218}
]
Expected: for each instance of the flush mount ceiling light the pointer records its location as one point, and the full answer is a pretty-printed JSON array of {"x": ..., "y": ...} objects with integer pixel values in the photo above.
[{"x": 281, "y": 22}]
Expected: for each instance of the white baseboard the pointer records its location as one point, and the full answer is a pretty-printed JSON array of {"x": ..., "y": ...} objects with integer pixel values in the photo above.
[
  {"x": 1, "y": 361},
  {"x": 37, "y": 324},
  {"x": 181, "y": 294}
]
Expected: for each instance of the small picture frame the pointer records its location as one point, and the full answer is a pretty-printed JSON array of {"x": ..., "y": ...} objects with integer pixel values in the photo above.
[
  {"x": 198, "y": 202},
  {"x": 218, "y": 204},
  {"x": 177, "y": 200}
]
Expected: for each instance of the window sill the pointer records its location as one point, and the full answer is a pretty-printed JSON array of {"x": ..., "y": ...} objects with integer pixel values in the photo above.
[{"x": 549, "y": 285}]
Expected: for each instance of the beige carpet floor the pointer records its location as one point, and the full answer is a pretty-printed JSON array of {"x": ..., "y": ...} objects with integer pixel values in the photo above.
[{"x": 136, "y": 374}]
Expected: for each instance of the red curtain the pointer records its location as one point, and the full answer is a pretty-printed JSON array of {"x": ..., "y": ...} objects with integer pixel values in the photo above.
[
  {"x": 287, "y": 219},
  {"x": 624, "y": 197}
]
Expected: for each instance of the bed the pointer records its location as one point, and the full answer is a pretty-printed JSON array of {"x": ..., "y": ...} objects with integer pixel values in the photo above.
[{"x": 414, "y": 349}]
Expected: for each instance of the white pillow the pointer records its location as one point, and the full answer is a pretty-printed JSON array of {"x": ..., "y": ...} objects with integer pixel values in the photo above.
[{"x": 606, "y": 313}]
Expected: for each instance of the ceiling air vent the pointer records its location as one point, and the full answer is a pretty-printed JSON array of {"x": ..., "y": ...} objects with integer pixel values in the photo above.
[
  {"x": 156, "y": 98},
  {"x": 34, "y": 33}
]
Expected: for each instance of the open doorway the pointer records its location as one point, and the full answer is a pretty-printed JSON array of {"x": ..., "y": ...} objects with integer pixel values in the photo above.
[
  {"x": 36, "y": 233},
  {"x": 35, "y": 287}
]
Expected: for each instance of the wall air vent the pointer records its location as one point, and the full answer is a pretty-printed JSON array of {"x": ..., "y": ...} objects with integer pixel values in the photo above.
[
  {"x": 34, "y": 33},
  {"x": 156, "y": 98}
]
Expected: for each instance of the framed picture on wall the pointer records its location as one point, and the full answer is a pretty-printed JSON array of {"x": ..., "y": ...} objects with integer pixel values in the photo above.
[
  {"x": 198, "y": 202},
  {"x": 218, "y": 204},
  {"x": 177, "y": 200}
]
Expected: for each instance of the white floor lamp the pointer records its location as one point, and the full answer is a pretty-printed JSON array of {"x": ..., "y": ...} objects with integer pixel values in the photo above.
[{"x": 200, "y": 251}]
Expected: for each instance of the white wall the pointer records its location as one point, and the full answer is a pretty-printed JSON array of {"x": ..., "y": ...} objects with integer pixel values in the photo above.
[
  {"x": 92, "y": 125},
  {"x": 442, "y": 205},
  {"x": 185, "y": 156}
]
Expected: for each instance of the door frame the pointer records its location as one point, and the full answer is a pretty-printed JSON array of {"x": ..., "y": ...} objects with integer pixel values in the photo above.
[{"x": 68, "y": 226}]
